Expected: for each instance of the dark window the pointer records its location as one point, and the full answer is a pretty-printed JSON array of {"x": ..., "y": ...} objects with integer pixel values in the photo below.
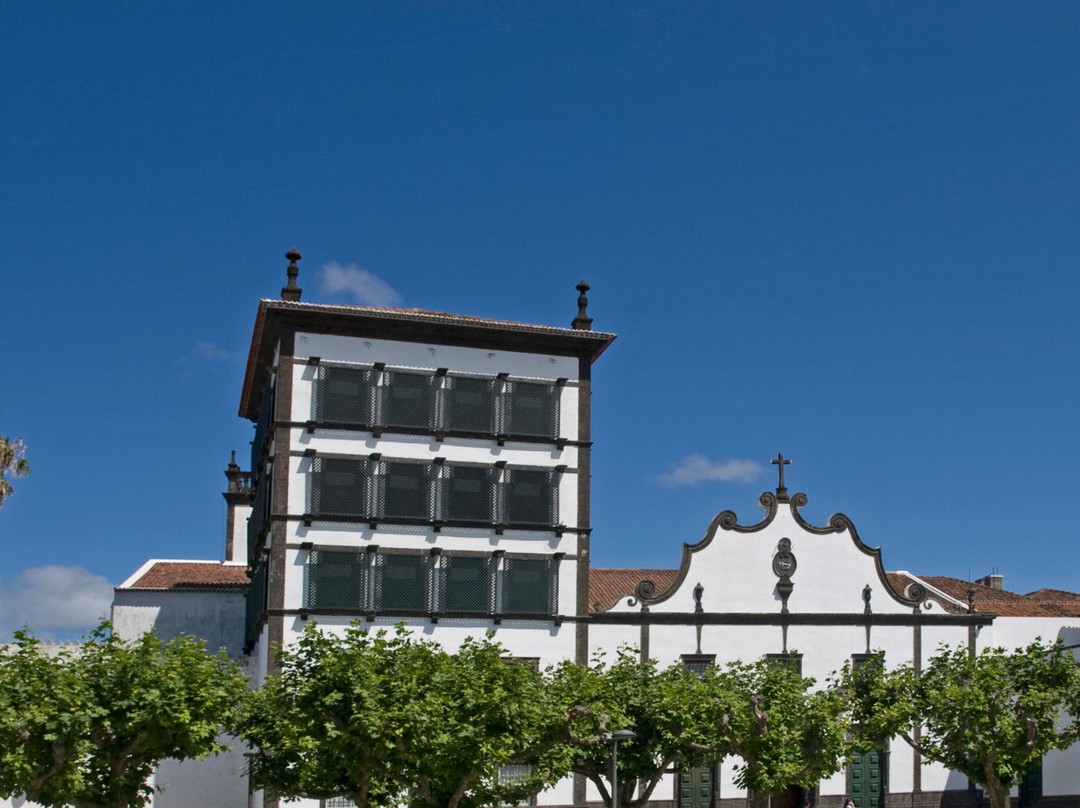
[
  {"x": 407, "y": 400},
  {"x": 792, "y": 660},
  {"x": 339, "y": 487},
  {"x": 698, "y": 663},
  {"x": 467, "y": 494},
  {"x": 343, "y": 395},
  {"x": 406, "y": 491},
  {"x": 529, "y": 497},
  {"x": 531, "y": 410},
  {"x": 528, "y": 586},
  {"x": 466, "y": 584},
  {"x": 402, "y": 583},
  {"x": 336, "y": 580},
  {"x": 470, "y": 405}
]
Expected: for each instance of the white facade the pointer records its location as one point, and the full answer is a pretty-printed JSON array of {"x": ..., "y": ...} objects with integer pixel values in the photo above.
[{"x": 320, "y": 385}]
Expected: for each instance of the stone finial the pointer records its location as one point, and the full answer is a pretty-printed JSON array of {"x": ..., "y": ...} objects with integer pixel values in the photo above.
[
  {"x": 583, "y": 322},
  {"x": 290, "y": 291},
  {"x": 236, "y": 477}
]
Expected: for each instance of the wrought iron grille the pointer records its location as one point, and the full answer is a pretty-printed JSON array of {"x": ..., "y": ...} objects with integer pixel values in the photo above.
[
  {"x": 529, "y": 586},
  {"x": 530, "y": 409},
  {"x": 466, "y": 584},
  {"x": 402, "y": 583},
  {"x": 407, "y": 400},
  {"x": 340, "y": 487},
  {"x": 468, "y": 405},
  {"x": 344, "y": 395},
  {"x": 467, "y": 494},
  {"x": 336, "y": 579},
  {"x": 529, "y": 497},
  {"x": 404, "y": 491}
]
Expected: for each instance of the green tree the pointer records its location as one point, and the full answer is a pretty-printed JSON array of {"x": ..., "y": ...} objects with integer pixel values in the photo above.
[
  {"x": 12, "y": 462},
  {"x": 990, "y": 716},
  {"x": 86, "y": 727},
  {"x": 662, "y": 707},
  {"x": 787, "y": 731},
  {"x": 387, "y": 719}
]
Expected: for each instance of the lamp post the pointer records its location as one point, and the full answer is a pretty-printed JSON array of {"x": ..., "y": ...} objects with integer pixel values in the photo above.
[{"x": 615, "y": 737}]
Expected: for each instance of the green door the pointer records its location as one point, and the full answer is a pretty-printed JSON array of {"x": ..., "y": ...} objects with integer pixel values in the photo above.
[
  {"x": 1031, "y": 786},
  {"x": 864, "y": 780},
  {"x": 696, "y": 787}
]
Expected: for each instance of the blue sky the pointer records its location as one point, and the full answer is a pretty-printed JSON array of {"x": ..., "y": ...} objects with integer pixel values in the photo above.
[{"x": 845, "y": 232}]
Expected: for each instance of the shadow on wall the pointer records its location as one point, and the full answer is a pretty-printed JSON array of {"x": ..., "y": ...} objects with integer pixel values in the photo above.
[
  {"x": 1070, "y": 635},
  {"x": 956, "y": 782}
]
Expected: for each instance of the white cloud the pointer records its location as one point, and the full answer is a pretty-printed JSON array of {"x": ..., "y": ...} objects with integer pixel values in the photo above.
[
  {"x": 55, "y": 601},
  {"x": 364, "y": 287},
  {"x": 208, "y": 350},
  {"x": 205, "y": 353},
  {"x": 694, "y": 469}
]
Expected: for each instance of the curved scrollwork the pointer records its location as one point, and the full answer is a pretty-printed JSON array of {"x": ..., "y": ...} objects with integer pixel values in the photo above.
[
  {"x": 645, "y": 590},
  {"x": 839, "y": 522},
  {"x": 915, "y": 592},
  {"x": 727, "y": 520}
]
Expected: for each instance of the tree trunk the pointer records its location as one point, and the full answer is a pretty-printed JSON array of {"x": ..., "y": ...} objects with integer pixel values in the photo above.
[
  {"x": 998, "y": 794},
  {"x": 757, "y": 799}
]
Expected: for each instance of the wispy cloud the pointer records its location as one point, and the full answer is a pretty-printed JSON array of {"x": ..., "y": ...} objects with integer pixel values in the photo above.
[
  {"x": 55, "y": 601},
  {"x": 364, "y": 287},
  {"x": 208, "y": 350},
  {"x": 694, "y": 469},
  {"x": 205, "y": 353}
]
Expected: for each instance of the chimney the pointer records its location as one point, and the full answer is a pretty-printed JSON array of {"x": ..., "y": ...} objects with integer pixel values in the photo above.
[
  {"x": 583, "y": 322},
  {"x": 239, "y": 498},
  {"x": 290, "y": 291},
  {"x": 994, "y": 580}
]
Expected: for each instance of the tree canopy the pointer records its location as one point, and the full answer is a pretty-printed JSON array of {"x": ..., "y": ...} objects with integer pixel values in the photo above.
[
  {"x": 990, "y": 716},
  {"x": 13, "y": 462},
  {"x": 786, "y": 730},
  {"x": 86, "y": 726},
  {"x": 389, "y": 719},
  {"x": 662, "y": 707}
]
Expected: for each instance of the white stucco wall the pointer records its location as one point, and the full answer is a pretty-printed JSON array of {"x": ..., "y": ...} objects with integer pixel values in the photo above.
[{"x": 215, "y": 617}]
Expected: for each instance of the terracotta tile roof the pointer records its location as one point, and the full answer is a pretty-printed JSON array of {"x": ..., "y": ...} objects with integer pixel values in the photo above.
[
  {"x": 901, "y": 580},
  {"x": 608, "y": 586},
  {"x": 1041, "y": 603},
  {"x": 439, "y": 316},
  {"x": 178, "y": 576}
]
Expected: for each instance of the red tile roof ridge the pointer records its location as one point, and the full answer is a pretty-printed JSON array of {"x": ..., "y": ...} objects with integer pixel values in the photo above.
[
  {"x": 436, "y": 315},
  {"x": 166, "y": 574},
  {"x": 607, "y": 586},
  {"x": 1006, "y": 603}
]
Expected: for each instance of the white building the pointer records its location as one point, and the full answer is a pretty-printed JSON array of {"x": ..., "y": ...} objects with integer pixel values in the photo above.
[{"x": 433, "y": 469}]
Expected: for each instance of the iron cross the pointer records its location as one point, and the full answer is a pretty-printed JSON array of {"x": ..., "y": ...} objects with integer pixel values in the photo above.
[{"x": 780, "y": 462}]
